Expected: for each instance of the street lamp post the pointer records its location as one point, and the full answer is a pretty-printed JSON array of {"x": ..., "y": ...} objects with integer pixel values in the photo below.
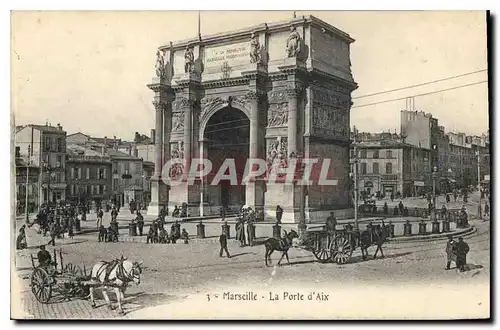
[
  {"x": 355, "y": 171},
  {"x": 50, "y": 171}
]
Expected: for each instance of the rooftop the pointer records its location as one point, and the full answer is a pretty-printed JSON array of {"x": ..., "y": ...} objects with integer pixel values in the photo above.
[
  {"x": 246, "y": 32},
  {"x": 43, "y": 128}
]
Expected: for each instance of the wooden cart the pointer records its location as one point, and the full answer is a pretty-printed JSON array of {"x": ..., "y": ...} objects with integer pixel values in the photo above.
[{"x": 58, "y": 280}]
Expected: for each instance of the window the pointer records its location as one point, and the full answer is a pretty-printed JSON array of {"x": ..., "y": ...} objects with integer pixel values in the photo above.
[
  {"x": 375, "y": 168},
  {"x": 18, "y": 152},
  {"x": 388, "y": 168},
  {"x": 72, "y": 172},
  {"x": 97, "y": 189},
  {"x": 363, "y": 154},
  {"x": 87, "y": 173},
  {"x": 72, "y": 189},
  {"x": 115, "y": 184},
  {"x": 389, "y": 154},
  {"x": 59, "y": 160},
  {"x": 79, "y": 176},
  {"x": 363, "y": 168},
  {"x": 104, "y": 173},
  {"x": 127, "y": 167},
  {"x": 46, "y": 143},
  {"x": 352, "y": 153},
  {"x": 375, "y": 154},
  {"x": 60, "y": 145}
]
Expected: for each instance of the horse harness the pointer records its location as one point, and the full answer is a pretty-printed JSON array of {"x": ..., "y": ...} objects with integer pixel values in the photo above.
[{"x": 120, "y": 271}]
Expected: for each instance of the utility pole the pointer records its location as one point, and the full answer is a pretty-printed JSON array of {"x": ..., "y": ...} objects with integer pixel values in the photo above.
[
  {"x": 355, "y": 170},
  {"x": 434, "y": 169},
  {"x": 479, "y": 183},
  {"x": 27, "y": 185}
]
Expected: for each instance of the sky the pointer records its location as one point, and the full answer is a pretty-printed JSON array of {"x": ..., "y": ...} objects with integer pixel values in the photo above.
[{"x": 88, "y": 71}]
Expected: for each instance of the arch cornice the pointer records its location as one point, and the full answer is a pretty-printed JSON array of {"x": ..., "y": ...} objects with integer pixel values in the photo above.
[{"x": 209, "y": 106}]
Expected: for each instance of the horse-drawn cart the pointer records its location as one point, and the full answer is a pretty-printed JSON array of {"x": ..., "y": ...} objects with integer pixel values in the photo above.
[
  {"x": 65, "y": 281},
  {"x": 338, "y": 245}
]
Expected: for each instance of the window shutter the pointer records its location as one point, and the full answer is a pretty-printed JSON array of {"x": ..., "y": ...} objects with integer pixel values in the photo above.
[{"x": 104, "y": 173}]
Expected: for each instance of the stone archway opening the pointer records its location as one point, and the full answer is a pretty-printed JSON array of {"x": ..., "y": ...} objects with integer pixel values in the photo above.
[{"x": 227, "y": 138}]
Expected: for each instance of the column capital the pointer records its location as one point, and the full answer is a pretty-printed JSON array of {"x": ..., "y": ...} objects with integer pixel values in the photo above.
[
  {"x": 294, "y": 91},
  {"x": 160, "y": 105},
  {"x": 182, "y": 102},
  {"x": 254, "y": 95}
]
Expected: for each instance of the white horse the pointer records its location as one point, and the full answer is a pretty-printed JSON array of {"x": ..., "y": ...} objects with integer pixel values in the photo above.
[{"x": 115, "y": 274}]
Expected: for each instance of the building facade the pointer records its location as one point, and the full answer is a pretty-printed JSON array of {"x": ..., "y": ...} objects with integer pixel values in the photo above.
[
  {"x": 288, "y": 87},
  {"x": 27, "y": 176},
  {"x": 88, "y": 176},
  {"x": 421, "y": 130},
  {"x": 126, "y": 168},
  {"x": 386, "y": 166},
  {"x": 44, "y": 146}
]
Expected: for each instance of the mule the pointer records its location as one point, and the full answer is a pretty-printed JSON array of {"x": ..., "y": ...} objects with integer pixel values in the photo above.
[
  {"x": 283, "y": 244},
  {"x": 116, "y": 274}
]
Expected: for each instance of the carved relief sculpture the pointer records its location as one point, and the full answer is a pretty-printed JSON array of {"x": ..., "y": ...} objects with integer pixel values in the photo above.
[
  {"x": 160, "y": 65},
  {"x": 188, "y": 60},
  {"x": 176, "y": 155},
  {"x": 278, "y": 115},
  {"x": 293, "y": 43},
  {"x": 177, "y": 121},
  {"x": 277, "y": 155},
  {"x": 255, "y": 54}
]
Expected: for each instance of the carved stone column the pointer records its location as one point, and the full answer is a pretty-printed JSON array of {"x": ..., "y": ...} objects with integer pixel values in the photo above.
[
  {"x": 202, "y": 179},
  {"x": 253, "y": 102},
  {"x": 159, "y": 193},
  {"x": 293, "y": 94},
  {"x": 188, "y": 112},
  {"x": 160, "y": 107}
]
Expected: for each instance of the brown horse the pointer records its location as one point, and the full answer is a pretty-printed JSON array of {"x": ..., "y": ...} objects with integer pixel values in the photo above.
[
  {"x": 377, "y": 236},
  {"x": 283, "y": 244}
]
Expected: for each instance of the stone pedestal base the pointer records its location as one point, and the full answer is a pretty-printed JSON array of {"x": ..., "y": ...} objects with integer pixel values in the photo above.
[
  {"x": 185, "y": 193},
  {"x": 254, "y": 195},
  {"x": 288, "y": 197},
  {"x": 159, "y": 197}
]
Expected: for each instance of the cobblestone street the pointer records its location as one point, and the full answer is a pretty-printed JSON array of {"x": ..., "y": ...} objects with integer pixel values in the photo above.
[{"x": 172, "y": 273}]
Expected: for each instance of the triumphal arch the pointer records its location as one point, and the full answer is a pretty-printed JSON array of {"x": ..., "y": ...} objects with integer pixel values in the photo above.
[{"x": 278, "y": 92}]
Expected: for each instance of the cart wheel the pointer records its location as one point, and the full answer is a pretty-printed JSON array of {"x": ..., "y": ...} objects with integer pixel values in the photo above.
[
  {"x": 41, "y": 285},
  {"x": 342, "y": 250},
  {"x": 323, "y": 255}
]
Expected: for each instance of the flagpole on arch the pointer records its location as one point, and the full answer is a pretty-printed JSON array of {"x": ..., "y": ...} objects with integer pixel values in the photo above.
[{"x": 199, "y": 25}]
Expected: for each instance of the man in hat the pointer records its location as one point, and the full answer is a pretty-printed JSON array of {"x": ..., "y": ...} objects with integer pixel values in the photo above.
[
  {"x": 331, "y": 222},
  {"x": 44, "y": 258},
  {"x": 461, "y": 249},
  {"x": 450, "y": 256},
  {"x": 223, "y": 245}
]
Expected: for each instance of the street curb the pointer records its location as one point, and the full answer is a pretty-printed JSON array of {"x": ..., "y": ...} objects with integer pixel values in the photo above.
[{"x": 431, "y": 237}]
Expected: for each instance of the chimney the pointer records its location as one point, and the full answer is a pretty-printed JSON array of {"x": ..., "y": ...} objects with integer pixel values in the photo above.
[
  {"x": 153, "y": 135},
  {"x": 137, "y": 137},
  {"x": 115, "y": 143},
  {"x": 104, "y": 146}
]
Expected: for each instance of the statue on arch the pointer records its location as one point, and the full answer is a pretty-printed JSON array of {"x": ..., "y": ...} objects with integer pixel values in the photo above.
[
  {"x": 189, "y": 60},
  {"x": 160, "y": 65},
  {"x": 255, "y": 55},
  {"x": 293, "y": 43}
]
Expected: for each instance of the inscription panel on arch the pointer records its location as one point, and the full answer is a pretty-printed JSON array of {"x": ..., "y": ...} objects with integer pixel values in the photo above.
[{"x": 230, "y": 55}]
